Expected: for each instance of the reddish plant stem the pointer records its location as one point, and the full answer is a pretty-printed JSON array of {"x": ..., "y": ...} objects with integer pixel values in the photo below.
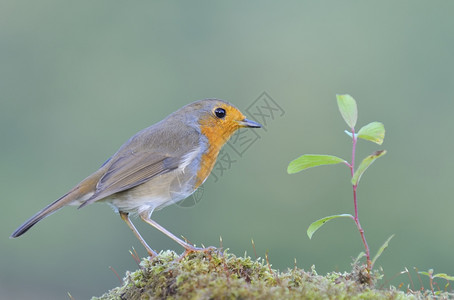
[{"x": 356, "y": 219}]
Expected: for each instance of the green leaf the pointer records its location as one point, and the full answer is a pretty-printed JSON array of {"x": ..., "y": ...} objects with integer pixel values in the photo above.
[
  {"x": 374, "y": 132},
  {"x": 444, "y": 276},
  {"x": 365, "y": 164},
  {"x": 319, "y": 223},
  {"x": 425, "y": 273},
  {"x": 348, "y": 109},
  {"x": 382, "y": 248},
  {"x": 312, "y": 160}
]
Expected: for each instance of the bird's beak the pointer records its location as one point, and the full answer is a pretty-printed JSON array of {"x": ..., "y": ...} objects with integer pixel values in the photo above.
[{"x": 249, "y": 123}]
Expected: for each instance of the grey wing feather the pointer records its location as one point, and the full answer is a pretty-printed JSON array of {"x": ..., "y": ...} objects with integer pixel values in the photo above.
[
  {"x": 135, "y": 164},
  {"x": 132, "y": 170}
]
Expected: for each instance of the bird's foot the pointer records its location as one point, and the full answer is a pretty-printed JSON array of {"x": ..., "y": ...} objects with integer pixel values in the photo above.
[
  {"x": 192, "y": 249},
  {"x": 151, "y": 253}
]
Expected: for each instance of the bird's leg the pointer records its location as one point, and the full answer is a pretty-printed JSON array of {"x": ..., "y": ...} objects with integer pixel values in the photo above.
[
  {"x": 188, "y": 247},
  {"x": 125, "y": 217}
]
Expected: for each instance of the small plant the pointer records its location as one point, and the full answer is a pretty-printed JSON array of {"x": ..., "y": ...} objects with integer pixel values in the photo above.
[
  {"x": 432, "y": 276},
  {"x": 374, "y": 132}
]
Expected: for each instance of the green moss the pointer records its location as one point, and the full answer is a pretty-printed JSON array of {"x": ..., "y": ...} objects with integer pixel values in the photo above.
[{"x": 225, "y": 276}]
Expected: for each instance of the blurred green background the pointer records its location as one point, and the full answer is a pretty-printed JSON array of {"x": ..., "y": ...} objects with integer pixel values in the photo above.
[{"x": 77, "y": 79}]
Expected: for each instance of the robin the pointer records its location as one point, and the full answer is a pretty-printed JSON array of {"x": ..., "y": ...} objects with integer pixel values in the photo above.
[{"x": 157, "y": 167}]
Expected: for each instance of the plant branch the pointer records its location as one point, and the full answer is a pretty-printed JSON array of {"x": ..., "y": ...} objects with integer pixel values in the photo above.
[{"x": 355, "y": 201}]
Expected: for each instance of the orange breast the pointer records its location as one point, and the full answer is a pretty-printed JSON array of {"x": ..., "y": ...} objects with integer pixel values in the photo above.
[{"x": 217, "y": 136}]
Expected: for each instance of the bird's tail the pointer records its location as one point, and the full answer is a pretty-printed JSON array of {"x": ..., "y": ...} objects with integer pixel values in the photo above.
[
  {"x": 47, "y": 211},
  {"x": 77, "y": 194}
]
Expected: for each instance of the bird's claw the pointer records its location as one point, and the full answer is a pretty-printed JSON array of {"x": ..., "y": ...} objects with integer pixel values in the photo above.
[{"x": 192, "y": 249}]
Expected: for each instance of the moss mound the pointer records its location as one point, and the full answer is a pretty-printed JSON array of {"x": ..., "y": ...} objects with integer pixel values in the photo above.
[{"x": 225, "y": 276}]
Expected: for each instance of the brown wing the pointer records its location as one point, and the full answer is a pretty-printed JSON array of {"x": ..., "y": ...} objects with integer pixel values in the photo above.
[
  {"x": 131, "y": 170},
  {"x": 146, "y": 155}
]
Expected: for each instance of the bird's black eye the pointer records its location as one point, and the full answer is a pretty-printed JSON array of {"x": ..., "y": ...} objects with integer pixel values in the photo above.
[{"x": 220, "y": 112}]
